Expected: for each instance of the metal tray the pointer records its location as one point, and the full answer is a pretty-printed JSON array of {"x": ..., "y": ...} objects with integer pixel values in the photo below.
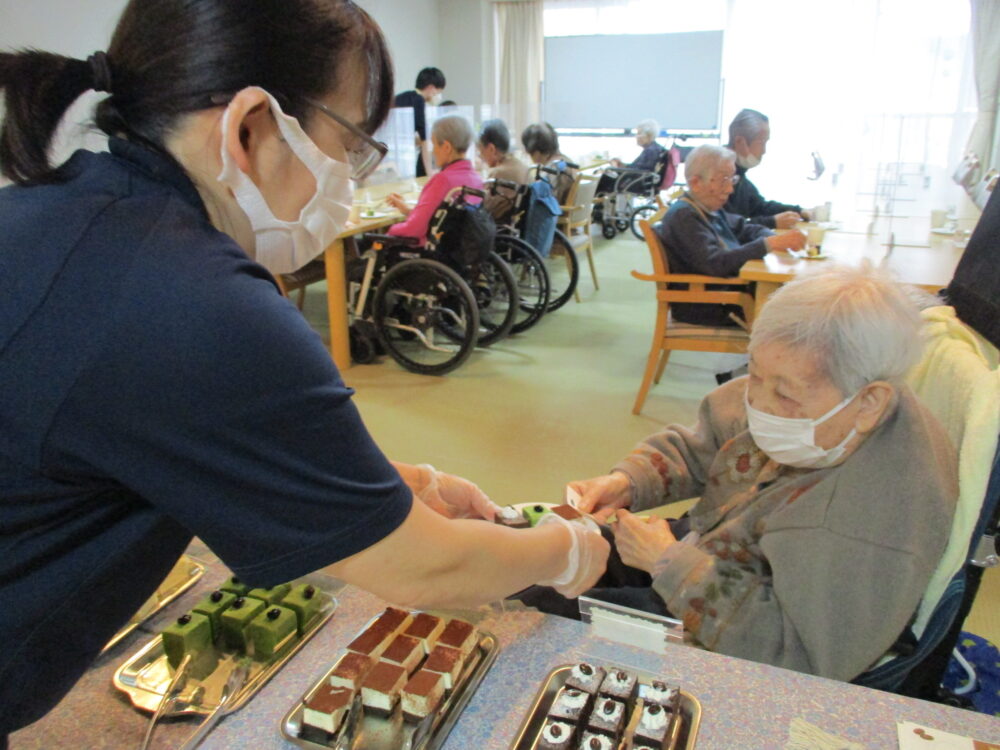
[
  {"x": 392, "y": 732},
  {"x": 682, "y": 735},
  {"x": 146, "y": 676},
  {"x": 182, "y": 577}
]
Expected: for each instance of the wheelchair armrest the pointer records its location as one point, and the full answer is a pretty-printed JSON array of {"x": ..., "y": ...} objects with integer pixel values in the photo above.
[
  {"x": 390, "y": 239},
  {"x": 504, "y": 183}
]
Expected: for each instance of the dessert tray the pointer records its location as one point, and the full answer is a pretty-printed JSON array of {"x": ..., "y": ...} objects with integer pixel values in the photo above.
[
  {"x": 358, "y": 724},
  {"x": 183, "y": 576},
  {"x": 680, "y": 733},
  {"x": 148, "y": 677}
]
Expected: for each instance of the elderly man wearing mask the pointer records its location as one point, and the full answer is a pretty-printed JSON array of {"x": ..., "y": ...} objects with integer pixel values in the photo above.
[
  {"x": 702, "y": 238},
  {"x": 749, "y": 133},
  {"x": 827, "y": 490}
]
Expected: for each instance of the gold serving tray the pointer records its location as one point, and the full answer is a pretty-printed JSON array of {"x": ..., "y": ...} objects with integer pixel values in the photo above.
[
  {"x": 392, "y": 732},
  {"x": 183, "y": 576},
  {"x": 682, "y": 735},
  {"x": 146, "y": 676}
]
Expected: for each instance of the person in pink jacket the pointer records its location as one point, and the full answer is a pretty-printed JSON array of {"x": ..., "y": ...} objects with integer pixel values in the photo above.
[{"x": 451, "y": 137}]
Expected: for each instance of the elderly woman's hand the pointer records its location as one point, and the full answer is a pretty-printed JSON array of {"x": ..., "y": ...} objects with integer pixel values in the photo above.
[
  {"x": 603, "y": 495},
  {"x": 786, "y": 219},
  {"x": 397, "y": 202},
  {"x": 641, "y": 541}
]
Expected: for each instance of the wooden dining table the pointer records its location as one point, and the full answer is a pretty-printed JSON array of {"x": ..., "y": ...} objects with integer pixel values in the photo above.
[
  {"x": 929, "y": 265},
  {"x": 333, "y": 257}
]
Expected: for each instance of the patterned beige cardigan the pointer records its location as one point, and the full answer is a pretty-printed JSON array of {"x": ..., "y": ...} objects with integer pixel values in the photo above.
[{"x": 813, "y": 570}]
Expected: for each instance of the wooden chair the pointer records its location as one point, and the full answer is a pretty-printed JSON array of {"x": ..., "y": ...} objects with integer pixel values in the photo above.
[
  {"x": 310, "y": 273},
  {"x": 670, "y": 335},
  {"x": 576, "y": 219}
]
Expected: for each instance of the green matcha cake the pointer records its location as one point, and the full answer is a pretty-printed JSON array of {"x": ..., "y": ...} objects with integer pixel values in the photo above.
[
  {"x": 534, "y": 513},
  {"x": 271, "y": 630},
  {"x": 212, "y": 606},
  {"x": 236, "y": 586},
  {"x": 273, "y": 595},
  {"x": 192, "y": 633},
  {"x": 235, "y": 620},
  {"x": 304, "y": 600}
]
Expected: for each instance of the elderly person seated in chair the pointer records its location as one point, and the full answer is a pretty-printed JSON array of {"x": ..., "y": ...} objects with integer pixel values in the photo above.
[
  {"x": 541, "y": 144},
  {"x": 645, "y": 136},
  {"x": 494, "y": 149},
  {"x": 827, "y": 491},
  {"x": 701, "y": 238},
  {"x": 451, "y": 137}
]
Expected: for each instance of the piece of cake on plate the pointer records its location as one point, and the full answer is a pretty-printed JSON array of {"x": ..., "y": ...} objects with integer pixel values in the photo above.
[
  {"x": 212, "y": 606},
  {"x": 448, "y": 662},
  {"x": 570, "y": 705},
  {"x": 654, "y": 723},
  {"x": 660, "y": 693},
  {"x": 234, "y": 621},
  {"x": 273, "y": 595},
  {"x": 511, "y": 517},
  {"x": 619, "y": 684},
  {"x": 373, "y": 641},
  {"x": 426, "y": 628},
  {"x": 422, "y": 694},
  {"x": 380, "y": 689},
  {"x": 305, "y": 602},
  {"x": 191, "y": 633},
  {"x": 271, "y": 631},
  {"x": 405, "y": 651},
  {"x": 235, "y": 586},
  {"x": 586, "y": 677},
  {"x": 350, "y": 671},
  {"x": 534, "y": 513},
  {"x": 608, "y": 717},
  {"x": 327, "y": 707},
  {"x": 556, "y": 735},
  {"x": 593, "y": 741},
  {"x": 396, "y": 620},
  {"x": 461, "y": 635},
  {"x": 568, "y": 512}
]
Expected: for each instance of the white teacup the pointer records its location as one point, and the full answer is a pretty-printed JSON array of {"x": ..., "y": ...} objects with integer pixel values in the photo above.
[
  {"x": 814, "y": 240},
  {"x": 939, "y": 217},
  {"x": 820, "y": 213}
]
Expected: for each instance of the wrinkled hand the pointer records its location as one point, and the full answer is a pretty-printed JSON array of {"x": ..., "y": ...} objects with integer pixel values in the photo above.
[
  {"x": 603, "y": 495},
  {"x": 453, "y": 497},
  {"x": 397, "y": 202},
  {"x": 786, "y": 219},
  {"x": 587, "y": 559},
  {"x": 792, "y": 240},
  {"x": 641, "y": 541}
]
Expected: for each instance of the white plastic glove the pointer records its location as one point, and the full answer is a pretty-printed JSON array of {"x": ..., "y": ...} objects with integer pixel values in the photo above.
[
  {"x": 454, "y": 497},
  {"x": 587, "y": 559}
]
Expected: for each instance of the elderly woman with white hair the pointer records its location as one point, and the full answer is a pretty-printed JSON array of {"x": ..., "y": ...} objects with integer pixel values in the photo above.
[
  {"x": 645, "y": 136},
  {"x": 451, "y": 137},
  {"x": 701, "y": 238},
  {"x": 827, "y": 490}
]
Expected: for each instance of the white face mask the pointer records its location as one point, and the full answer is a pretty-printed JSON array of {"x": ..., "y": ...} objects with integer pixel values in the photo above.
[
  {"x": 793, "y": 441},
  {"x": 437, "y": 99},
  {"x": 747, "y": 162},
  {"x": 285, "y": 246}
]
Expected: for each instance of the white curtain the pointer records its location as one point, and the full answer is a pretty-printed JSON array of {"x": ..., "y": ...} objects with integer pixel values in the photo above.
[
  {"x": 986, "y": 51},
  {"x": 520, "y": 47}
]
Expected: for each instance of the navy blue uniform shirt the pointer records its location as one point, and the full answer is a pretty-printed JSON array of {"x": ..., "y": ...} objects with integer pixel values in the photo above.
[{"x": 155, "y": 386}]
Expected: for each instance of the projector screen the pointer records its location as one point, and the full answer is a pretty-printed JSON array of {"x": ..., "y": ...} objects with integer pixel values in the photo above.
[{"x": 614, "y": 81}]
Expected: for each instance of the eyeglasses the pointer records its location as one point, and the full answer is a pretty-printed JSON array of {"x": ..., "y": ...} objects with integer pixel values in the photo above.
[
  {"x": 367, "y": 155},
  {"x": 734, "y": 180}
]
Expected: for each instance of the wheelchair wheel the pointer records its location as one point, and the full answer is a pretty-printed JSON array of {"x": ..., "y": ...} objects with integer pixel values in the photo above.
[
  {"x": 531, "y": 277},
  {"x": 639, "y": 214},
  {"x": 564, "y": 270},
  {"x": 364, "y": 348},
  {"x": 495, "y": 290},
  {"x": 426, "y": 316},
  {"x": 608, "y": 230},
  {"x": 621, "y": 224}
]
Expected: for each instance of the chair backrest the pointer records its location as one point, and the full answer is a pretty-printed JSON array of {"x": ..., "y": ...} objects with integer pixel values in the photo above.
[
  {"x": 666, "y": 167},
  {"x": 582, "y": 200}
]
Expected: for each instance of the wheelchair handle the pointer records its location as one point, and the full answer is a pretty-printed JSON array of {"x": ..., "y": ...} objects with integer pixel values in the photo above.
[
  {"x": 473, "y": 191},
  {"x": 505, "y": 183},
  {"x": 540, "y": 168}
]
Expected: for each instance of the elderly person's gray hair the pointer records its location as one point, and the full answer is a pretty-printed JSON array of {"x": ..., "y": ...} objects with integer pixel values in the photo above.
[
  {"x": 704, "y": 160},
  {"x": 859, "y": 324},
  {"x": 748, "y": 123},
  {"x": 650, "y": 128},
  {"x": 455, "y": 129},
  {"x": 495, "y": 132}
]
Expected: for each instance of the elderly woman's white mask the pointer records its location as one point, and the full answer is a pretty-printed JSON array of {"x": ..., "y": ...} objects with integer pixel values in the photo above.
[{"x": 793, "y": 441}]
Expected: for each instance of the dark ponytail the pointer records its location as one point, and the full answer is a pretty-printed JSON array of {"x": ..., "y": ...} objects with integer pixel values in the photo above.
[
  {"x": 168, "y": 58},
  {"x": 38, "y": 89}
]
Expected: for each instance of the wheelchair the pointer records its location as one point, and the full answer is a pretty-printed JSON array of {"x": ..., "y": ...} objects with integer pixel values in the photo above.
[
  {"x": 633, "y": 197},
  {"x": 427, "y": 306},
  {"x": 559, "y": 259}
]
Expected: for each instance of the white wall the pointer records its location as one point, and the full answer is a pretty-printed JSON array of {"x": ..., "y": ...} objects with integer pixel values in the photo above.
[
  {"x": 69, "y": 27},
  {"x": 412, "y": 28},
  {"x": 466, "y": 43}
]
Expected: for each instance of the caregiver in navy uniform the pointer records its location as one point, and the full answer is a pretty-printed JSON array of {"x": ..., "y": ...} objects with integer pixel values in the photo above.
[{"x": 155, "y": 383}]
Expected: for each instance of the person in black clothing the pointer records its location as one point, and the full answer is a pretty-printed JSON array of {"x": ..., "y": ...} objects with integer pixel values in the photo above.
[
  {"x": 427, "y": 90},
  {"x": 645, "y": 135},
  {"x": 701, "y": 238},
  {"x": 749, "y": 133}
]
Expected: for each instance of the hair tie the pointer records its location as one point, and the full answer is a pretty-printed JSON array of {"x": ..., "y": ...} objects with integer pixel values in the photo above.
[{"x": 100, "y": 72}]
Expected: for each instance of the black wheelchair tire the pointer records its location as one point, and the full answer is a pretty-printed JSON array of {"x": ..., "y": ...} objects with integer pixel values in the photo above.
[
  {"x": 459, "y": 295},
  {"x": 608, "y": 230},
  {"x": 638, "y": 214},
  {"x": 525, "y": 263},
  {"x": 559, "y": 297},
  {"x": 490, "y": 330}
]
